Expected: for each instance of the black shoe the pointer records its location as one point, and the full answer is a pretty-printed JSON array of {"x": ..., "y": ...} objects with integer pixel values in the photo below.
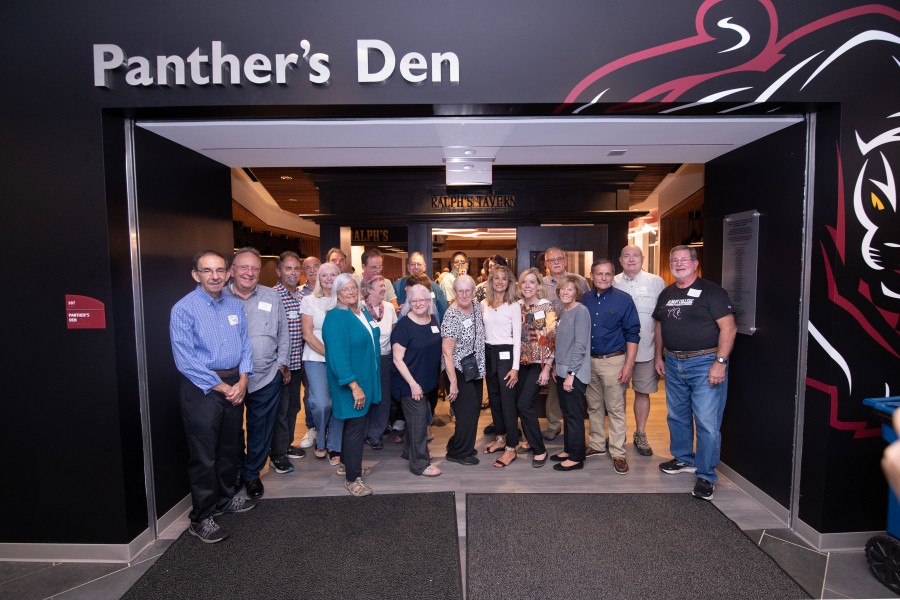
[
  {"x": 550, "y": 434},
  {"x": 465, "y": 460},
  {"x": 703, "y": 489},
  {"x": 295, "y": 452},
  {"x": 281, "y": 465},
  {"x": 676, "y": 466},
  {"x": 558, "y": 458},
  {"x": 575, "y": 467},
  {"x": 490, "y": 429},
  {"x": 238, "y": 483},
  {"x": 237, "y": 504},
  {"x": 208, "y": 531},
  {"x": 255, "y": 489},
  {"x": 375, "y": 444},
  {"x": 538, "y": 463}
]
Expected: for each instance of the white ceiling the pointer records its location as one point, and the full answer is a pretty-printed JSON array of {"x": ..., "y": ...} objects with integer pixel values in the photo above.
[{"x": 430, "y": 141}]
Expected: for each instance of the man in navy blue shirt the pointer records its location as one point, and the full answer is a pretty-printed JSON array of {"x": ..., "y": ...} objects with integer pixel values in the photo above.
[
  {"x": 615, "y": 333},
  {"x": 212, "y": 351}
]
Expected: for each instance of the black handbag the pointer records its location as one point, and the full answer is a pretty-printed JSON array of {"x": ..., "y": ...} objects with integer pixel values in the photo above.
[{"x": 468, "y": 363}]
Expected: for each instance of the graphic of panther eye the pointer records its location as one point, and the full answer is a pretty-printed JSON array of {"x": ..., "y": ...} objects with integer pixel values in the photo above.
[
  {"x": 675, "y": 312},
  {"x": 875, "y": 209}
]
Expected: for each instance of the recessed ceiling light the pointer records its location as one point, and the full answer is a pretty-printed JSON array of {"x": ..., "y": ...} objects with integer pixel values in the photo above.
[
  {"x": 292, "y": 200},
  {"x": 468, "y": 167},
  {"x": 287, "y": 178},
  {"x": 616, "y": 152},
  {"x": 469, "y": 152}
]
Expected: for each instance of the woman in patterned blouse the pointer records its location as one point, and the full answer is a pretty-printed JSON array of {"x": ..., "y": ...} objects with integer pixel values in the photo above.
[
  {"x": 462, "y": 331},
  {"x": 536, "y": 361}
]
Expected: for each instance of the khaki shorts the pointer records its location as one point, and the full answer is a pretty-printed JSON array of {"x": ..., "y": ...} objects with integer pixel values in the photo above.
[{"x": 645, "y": 379}]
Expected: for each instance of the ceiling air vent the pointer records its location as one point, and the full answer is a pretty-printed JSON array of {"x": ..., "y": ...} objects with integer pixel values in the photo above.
[{"x": 616, "y": 152}]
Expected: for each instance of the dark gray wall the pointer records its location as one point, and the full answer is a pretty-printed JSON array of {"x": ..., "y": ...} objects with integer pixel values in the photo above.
[{"x": 758, "y": 427}]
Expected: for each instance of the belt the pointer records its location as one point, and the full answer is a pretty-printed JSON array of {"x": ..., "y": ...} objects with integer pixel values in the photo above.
[
  {"x": 692, "y": 353},
  {"x": 226, "y": 373},
  {"x": 619, "y": 353}
]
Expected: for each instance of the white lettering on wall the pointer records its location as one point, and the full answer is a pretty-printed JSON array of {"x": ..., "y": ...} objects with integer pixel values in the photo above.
[
  {"x": 376, "y": 63},
  {"x": 414, "y": 66}
]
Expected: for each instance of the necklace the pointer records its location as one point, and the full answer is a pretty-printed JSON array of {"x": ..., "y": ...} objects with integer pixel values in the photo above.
[{"x": 376, "y": 312}]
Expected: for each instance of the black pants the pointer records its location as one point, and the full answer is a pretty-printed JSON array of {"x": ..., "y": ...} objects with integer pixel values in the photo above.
[
  {"x": 467, "y": 408},
  {"x": 286, "y": 420},
  {"x": 415, "y": 442},
  {"x": 572, "y": 405},
  {"x": 352, "y": 446},
  {"x": 501, "y": 397},
  {"x": 527, "y": 390},
  {"x": 213, "y": 428}
]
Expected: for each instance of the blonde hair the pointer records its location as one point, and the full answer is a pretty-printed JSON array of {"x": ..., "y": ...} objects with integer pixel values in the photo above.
[
  {"x": 318, "y": 292},
  {"x": 540, "y": 281},
  {"x": 510, "y": 295}
]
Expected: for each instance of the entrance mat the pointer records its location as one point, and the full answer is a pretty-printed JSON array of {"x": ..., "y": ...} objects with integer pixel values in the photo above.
[
  {"x": 381, "y": 546},
  {"x": 612, "y": 546}
]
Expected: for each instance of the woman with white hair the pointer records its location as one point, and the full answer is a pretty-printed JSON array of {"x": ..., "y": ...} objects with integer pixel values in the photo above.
[
  {"x": 416, "y": 343},
  {"x": 330, "y": 430},
  {"x": 353, "y": 371}
]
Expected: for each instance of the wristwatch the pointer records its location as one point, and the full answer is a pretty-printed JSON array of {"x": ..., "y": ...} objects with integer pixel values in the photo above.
[
  {"x": 721, "y": 360},
  {"x": 572, "y": 373}
]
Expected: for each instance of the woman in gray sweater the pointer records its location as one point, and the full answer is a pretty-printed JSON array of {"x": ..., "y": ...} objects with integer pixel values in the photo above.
[{"x": 573, "y": 371}]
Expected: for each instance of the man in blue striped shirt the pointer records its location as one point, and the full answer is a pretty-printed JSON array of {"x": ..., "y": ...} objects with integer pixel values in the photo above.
[{"x": 212, "y": 351}]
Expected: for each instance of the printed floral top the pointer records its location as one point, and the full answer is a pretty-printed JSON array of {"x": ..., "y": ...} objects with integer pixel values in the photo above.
[
  {"x": 538, "y": 332},
  {"x": 468, "y": 331}
]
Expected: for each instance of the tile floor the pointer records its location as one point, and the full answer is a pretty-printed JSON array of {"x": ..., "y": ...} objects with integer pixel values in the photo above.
[{"x": 823, "y": 575}]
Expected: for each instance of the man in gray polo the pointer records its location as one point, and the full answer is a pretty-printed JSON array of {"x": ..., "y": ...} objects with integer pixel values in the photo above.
[{"x": 644, "y": 288}]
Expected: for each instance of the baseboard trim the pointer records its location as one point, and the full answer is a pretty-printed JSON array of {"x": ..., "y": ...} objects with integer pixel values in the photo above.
[
  {"x": 105, "y": 553},
  {"x": 770, "y": 504},
  {"x": 852, "y": 541}
]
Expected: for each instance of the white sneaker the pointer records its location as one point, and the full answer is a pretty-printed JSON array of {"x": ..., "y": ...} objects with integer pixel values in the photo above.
[{"x": 309, "y": 440}]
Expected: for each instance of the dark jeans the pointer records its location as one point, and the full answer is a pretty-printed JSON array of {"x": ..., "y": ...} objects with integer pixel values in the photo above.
[
  {"x": 379, "y": 413},
  {"x": 286, "y": 418},
  {"x": 262, "y": 408},
  {"x": 467, "y": 408},
  {"x": 212, "y": 426},
  {"x": 501, "y": 397},
  {"x": 306, "y": 411},
  {"x": 527, "y": 390},
  {"x": 572, "y": 405},
  {"x": 354, "y": 441}
]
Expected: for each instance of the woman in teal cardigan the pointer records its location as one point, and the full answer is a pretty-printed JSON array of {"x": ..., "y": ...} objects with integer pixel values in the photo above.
[{"x": 353, "y": 369}]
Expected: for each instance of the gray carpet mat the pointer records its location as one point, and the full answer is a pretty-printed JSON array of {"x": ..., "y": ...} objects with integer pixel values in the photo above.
[
  {"x": 382, "y": 546},
  {"x": 521, "y": 546}
]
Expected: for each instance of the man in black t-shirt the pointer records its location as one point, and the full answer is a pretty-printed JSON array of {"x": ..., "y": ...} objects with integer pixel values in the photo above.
[{"x": 694, "y": 336}]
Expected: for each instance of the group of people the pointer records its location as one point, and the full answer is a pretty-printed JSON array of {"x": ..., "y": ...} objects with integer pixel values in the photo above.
[{"x": 238, "y": 343}]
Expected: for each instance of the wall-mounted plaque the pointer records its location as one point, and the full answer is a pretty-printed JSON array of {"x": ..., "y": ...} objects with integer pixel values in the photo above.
[{"x": 740, "y": 253}]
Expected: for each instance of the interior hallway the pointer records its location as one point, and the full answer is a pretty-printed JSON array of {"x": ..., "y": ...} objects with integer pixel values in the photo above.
[{"x": 824, "y": 575}]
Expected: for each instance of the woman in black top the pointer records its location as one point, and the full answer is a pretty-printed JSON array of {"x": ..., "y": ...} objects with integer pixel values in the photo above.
[{"x": 416, "y": 345}]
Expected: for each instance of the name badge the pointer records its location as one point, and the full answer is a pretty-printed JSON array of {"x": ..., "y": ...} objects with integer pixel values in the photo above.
[
  {"x": 293, "y": 315},
  {"x": 232, "y": 320},
  {"x": 505, "y": 355},
  {"x": 641, "y": 291},
  {"x": 467, "y": 323},
  {"x": 694, "y": 293},
  {"x": 266, "y": 306},
  {"x": 435, "y": 329},
  {"x": 432, "y": 295},
  {"x": 540, "y": 315}
]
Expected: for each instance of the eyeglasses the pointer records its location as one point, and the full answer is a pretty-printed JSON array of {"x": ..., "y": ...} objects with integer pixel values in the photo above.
[
  {"x": 208, "y": 272},
  {"x": 244, "y": 268},
  {"x": 377, "y": 268},
  {"x": 419, "y": 301},
  {"x": 681, "y": 261},
  {"x": 460, "y": 262},
  {"x": 465, "y": 292},
  {"x": 558, "y": 259}
]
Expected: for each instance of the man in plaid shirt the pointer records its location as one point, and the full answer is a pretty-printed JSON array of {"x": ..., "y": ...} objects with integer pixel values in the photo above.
[{"x": 289, "y": 268}]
